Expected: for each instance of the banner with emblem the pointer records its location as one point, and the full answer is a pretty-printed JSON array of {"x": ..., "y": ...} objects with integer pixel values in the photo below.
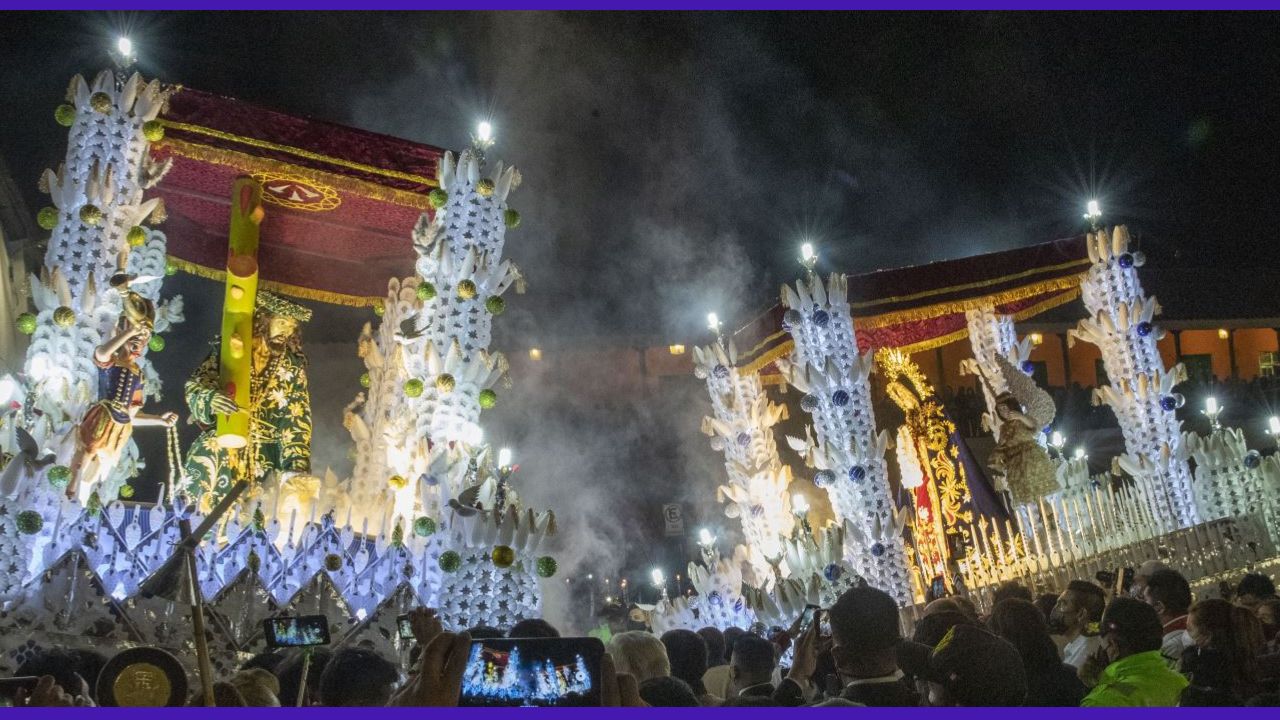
[{"x": 341, "y": 202}]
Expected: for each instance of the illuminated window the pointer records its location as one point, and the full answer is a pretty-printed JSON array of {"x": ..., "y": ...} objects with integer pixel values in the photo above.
[
  {"x": 1267, "y": 364},
  {"x": 676, "y": 349}
]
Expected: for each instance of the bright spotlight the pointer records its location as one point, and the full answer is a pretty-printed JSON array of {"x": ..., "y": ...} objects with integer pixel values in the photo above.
[
  {"x": 1080, "y": 453},
  {"x": 504, "y": 457},
  {"x": 1093, "y": 209},
  {"x": 705, "y": 537},
  {"x": 806, "y": 251},
  {"x": 125, "y": 46},
  {"x": 657, "y": 577},
  {"x": 484, "y": 131},
  {"x": 713, "y": 321}
]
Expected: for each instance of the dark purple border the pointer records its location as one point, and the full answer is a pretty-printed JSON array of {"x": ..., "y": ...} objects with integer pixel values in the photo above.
[{"x": 638, "y": 5}]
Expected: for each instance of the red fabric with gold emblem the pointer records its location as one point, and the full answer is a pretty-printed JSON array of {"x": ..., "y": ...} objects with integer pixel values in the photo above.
[{"x": 341, "y": 203}]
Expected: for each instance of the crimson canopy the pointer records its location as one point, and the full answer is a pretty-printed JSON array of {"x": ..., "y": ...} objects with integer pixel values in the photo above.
[
  {"x": 922, "y": 307},
  {"x": 341, "y": 202}
]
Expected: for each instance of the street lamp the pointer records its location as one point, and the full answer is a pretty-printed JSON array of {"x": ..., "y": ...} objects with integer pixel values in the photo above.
[
  {"x": 1093, "y": 213},
  {"x": 1212, "y": 410},
  {"x": 808, "y": 258}
]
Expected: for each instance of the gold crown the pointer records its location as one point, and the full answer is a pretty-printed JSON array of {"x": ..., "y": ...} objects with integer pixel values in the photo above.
[{"x": 278, "y": 306}]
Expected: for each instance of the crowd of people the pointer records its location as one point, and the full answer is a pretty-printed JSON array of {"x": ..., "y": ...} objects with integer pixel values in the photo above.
[{"x": 1151, "y": 646}]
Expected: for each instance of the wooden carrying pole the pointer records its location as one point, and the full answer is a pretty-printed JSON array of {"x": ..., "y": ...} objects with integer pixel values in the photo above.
[{"x": 236, "y": 351}]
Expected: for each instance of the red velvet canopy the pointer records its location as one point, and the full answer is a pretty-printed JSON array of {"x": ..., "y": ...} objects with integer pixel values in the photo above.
[
  {"x": 341, "y": 202},
  {"x": 922, "y": 307}
]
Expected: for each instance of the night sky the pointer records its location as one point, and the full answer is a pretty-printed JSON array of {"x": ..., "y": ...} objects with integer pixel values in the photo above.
[{"x": 674, "y": 162}]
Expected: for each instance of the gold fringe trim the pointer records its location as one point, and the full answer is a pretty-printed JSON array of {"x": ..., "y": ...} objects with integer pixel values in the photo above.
[
  {"x": 972, "y": 285},
  {"x": 254, "y": 142},
  {"x": 1048, "y": 304},
  {"x": 250, "y": 164},
  {"x": 785, "y": 348},
  {"x": 297, "y": 291},
  {"x": 928, "y": 312}
]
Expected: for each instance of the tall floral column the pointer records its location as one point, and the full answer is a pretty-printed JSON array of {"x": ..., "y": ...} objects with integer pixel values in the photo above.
[
  {"x": 1141, "y": 393},
  {"x": 421, "y": 459},
  {"x": 95, "y": 219},
  {"x": 741, "y": 427},
  {"x": 844, "y": 448}
]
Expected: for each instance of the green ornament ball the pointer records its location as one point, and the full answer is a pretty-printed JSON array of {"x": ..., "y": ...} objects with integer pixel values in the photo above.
[
  {"x": 100, "y": 102},
  {"x": 91, "y": 215},
  {"x": 379, "y": 310},
  {"x": 488, "y": 399},
  {"x": 485, "y": 187},
  {"x": 47, "y": 218},
  {"x": 512, "y": 218},
  {"x": 156, "y": 343},
  {"x": 254, "y": 561},
  {"x": 365, "y": 380},
  {"x": 503, "y": 556},
  {"x": 547, "y": 566},
  {"x": 466, "y": 289},
  {"x": 426, "y": 291},
  {"x": 59, "y": 476},
  {"x": 136, "y": 236},
  {"x": 153, "y": 130},
  {"x": 450, "y": 561},
  {"x": 93, "y": 505},
  {"x": 170, "y": 267},
  {"x": 424, "y": 526},
  {"x": 333, "y": 562},
  {"x": 437, "y": 198},
  {"x": 126, "y": 491},
  {"x": 445, "y": 383},
  {"x": 64, "y": 317},
  {"x": 413, "y": 387},
  {"x": 26, "y": 323},
  {"x": 29, "y": 522},
  {"x": 65, "y": 115},
  {"x": 495, "y": 305}
]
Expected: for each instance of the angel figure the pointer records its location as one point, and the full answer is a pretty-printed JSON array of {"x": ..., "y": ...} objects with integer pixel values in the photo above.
[
  {"x": 1022, "y": 412},
  {"x": 108, "y": 425}
]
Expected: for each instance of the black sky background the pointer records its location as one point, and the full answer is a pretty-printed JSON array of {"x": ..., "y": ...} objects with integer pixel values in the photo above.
[{"x": 674, "y": 162}]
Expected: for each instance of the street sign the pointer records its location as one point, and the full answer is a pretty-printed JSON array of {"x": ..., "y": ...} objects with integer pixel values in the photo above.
[{"x": 673, "y": 517}]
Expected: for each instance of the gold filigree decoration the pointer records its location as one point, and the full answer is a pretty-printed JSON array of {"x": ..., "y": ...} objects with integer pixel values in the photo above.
[
  {"x": 931, "y": 432},
  {"x": 296, "y": 192}
]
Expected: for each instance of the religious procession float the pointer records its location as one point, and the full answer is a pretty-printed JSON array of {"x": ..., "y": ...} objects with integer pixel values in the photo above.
[{"x": 244, "y": 530}]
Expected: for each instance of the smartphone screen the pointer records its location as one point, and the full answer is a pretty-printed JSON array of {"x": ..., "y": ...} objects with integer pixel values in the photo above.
[
  {"x": 9, "y": 688},
  {"x": 404, "y": 627},
  {"x": 806, "y": 618},
  {"x": 302, "y": 631},
  {"x": 533, "y": 672},
  {"x": 939, "y": 587}
]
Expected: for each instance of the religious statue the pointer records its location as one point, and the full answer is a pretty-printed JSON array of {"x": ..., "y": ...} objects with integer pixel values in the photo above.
[
  {"x": 1022, "y": 413},
  {"x": 280, "y": 429},
  {"x": 106, "y": 428}
]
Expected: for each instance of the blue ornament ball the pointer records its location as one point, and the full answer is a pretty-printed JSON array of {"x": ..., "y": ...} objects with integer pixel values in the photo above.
[
  {"x": 824, "y": 478},
  {"x": 1180, "y": 399},
  {"x": 720, "y": 371},
  {"x": 792, "y": 319},
  {"x": 1169, "y": 403},
  {"x": 840, "y": 398},
  {"x": 738, "y": 605},
  {"x": 878, "y": 550},
  {"x": 757, "y": 511},
  {"x": 809, "y": 403},
  {"x": 1252, "y": 460},
  {"x": 714, "y": 598},
  {"x": 1028, "y": 367},
  {"x": 1144, "y": 328},
  {"x": 430, "y": 480},
  {"x": 1125, "y": 260},
  {"x": 744, "y": 439},
  {"x": 832, "y": 572},
  {"x": 857, "y": 473},
  {"x": 821, "y": 318}
]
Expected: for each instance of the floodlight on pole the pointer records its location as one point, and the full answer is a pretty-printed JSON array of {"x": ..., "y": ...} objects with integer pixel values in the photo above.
[{"x": 1093, "y": 213}]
